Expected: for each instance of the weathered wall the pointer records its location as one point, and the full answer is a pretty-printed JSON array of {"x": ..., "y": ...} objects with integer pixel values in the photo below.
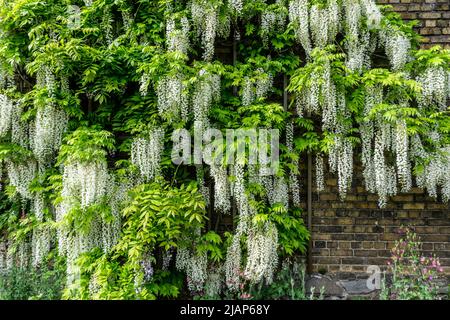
[
  {"x": 434, "y": 17},
  {"x": 349, "y": 235}
]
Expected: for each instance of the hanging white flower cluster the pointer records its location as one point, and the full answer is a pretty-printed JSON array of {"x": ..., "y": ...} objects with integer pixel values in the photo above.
[
  {"x": 299, "y": 15},
  {"x": 45, "y": 78},
  {"x": 7, "y": 107},
  {"x": 20, "y": 176},
  {"x": 40, "y": 244},
  {"x": 195, "y": 265},
  {"x": 146, "y": 153},
  {"x": 107, "y": 25},
  {"x": 341, "y": 162},
  {"x": 206, "y": 92},
  {"x": 320, "y": 180},
  {"x": 402, "y": 156},
  {"x": 324, "y": 23},
  {"x": 236, "y": 6},
  {"x": 49, "y": 127},
  {"x": 87, "y": 182},
  {"x": 372, "y": 13},
  {"x": 177, "y": 39},
  {"x": 127, "y": 19},
  {"x": 397, "y": 47},
  {"x": 373, "y": 97},
  {"x": 256, "y": 88},
  {"x": 172, "y": 96},
  {"x": 204, "y": 190},
  {"x": 320, "y": 94},
  {"x": 221, "y": 188},
  {"x": 385, "y": 182},
  {"x": 436, "y": 174},
  {"x": 435, "y": 87},
  {"x": 3, "y": 255},
  {"x": 233, "y": 264},
  {"x": 262, "y": 259},
  {"x": 19, "y": 129},
  {"x": 213, "y": 284},
  {"x": 353, "y": 15},
  {"x": 248, "y": 92},
  {"x": 280, "y": 192},
  {"x": 206, "y": 20},
  {"x": 264, "y": 83},
  {"x": 268, "y": 24},
  {"x": 294, "y": 184}
]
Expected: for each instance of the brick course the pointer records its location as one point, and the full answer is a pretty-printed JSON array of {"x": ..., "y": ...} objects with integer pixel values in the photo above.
[
  {"x": 349, "y": 235},
  {"x": 433, "y": 15}
]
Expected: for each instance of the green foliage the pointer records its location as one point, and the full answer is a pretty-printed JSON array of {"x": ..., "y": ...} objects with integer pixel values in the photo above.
[
  {"x": 44, "y": 282},
  {"x": 158, "y": 217},
  {"x": 413, "y": 273},
  {"x": 86, "y": 145}
]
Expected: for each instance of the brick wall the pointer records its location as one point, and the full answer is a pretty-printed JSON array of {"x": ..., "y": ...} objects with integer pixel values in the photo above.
[
  {"x": 349, "y": 235},
  {"x": 434, "y": 17}
]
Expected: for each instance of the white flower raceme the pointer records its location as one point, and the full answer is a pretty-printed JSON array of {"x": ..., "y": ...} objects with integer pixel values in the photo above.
[
  {"x": 7, "y": 107},
  {"x": 146, "y": 153},
  {"x": 435, "y": 174},
  {"x": 19, "y": 128},
  {"x": 324, "y": 23},
  {"x": 206, "y": 92},
  {"x": 3, "y": 254},
  {"x": 268, "y": 24},
  {"x": 205, "y": 19},
  {"x": 195, "y": 265},
  {"x": 248, "y": 92},
  {"x": 341, "y": 161},
  {"x": 352, "y": 19},
  {"x": 262, "y": 259},
  {"x": 49, "y": 127},
  {"x": 204, "y": 190},
  {"x": 435, "y": 87},
  {"x": 85, "y": 181},
  {"x": 401, "y": 150},
  {"x": 372, "y": 13},
  {"x": 172, "y": 96},
  {"x": 213, "y": 283},
  {"x": 320, "y": 181},
  {"x": 221, "y": 188},
  {"x": 385, "y": 177},
  {"x": 40, "y": 245},
  {"x": 177, "y": 39},
  {"x": 127, "y": 19},
  {"x": 397, "y": 47},
  {"x": 294, "y": 185},
  {"x": 299, "y": 15},
  {"x": 20, "y": 176},
  {"x": 264, "y": 84},
  {"x": 280, "y": 192},
  {"x": 233, "y": 264},
  {"x": 236, "y": 5}
]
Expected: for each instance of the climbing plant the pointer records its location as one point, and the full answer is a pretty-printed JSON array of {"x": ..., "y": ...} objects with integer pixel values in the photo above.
[{"x": 91, "y": 92}]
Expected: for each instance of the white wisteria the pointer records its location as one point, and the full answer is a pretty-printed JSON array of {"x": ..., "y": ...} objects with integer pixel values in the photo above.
[
  {"x": 146, "y": 153},
  {"x": 49, "y": 128},
  {"x": 172, "y": 96},
  {"x": 262, "y": 259},
  {"x": 435, "y": 87}
]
